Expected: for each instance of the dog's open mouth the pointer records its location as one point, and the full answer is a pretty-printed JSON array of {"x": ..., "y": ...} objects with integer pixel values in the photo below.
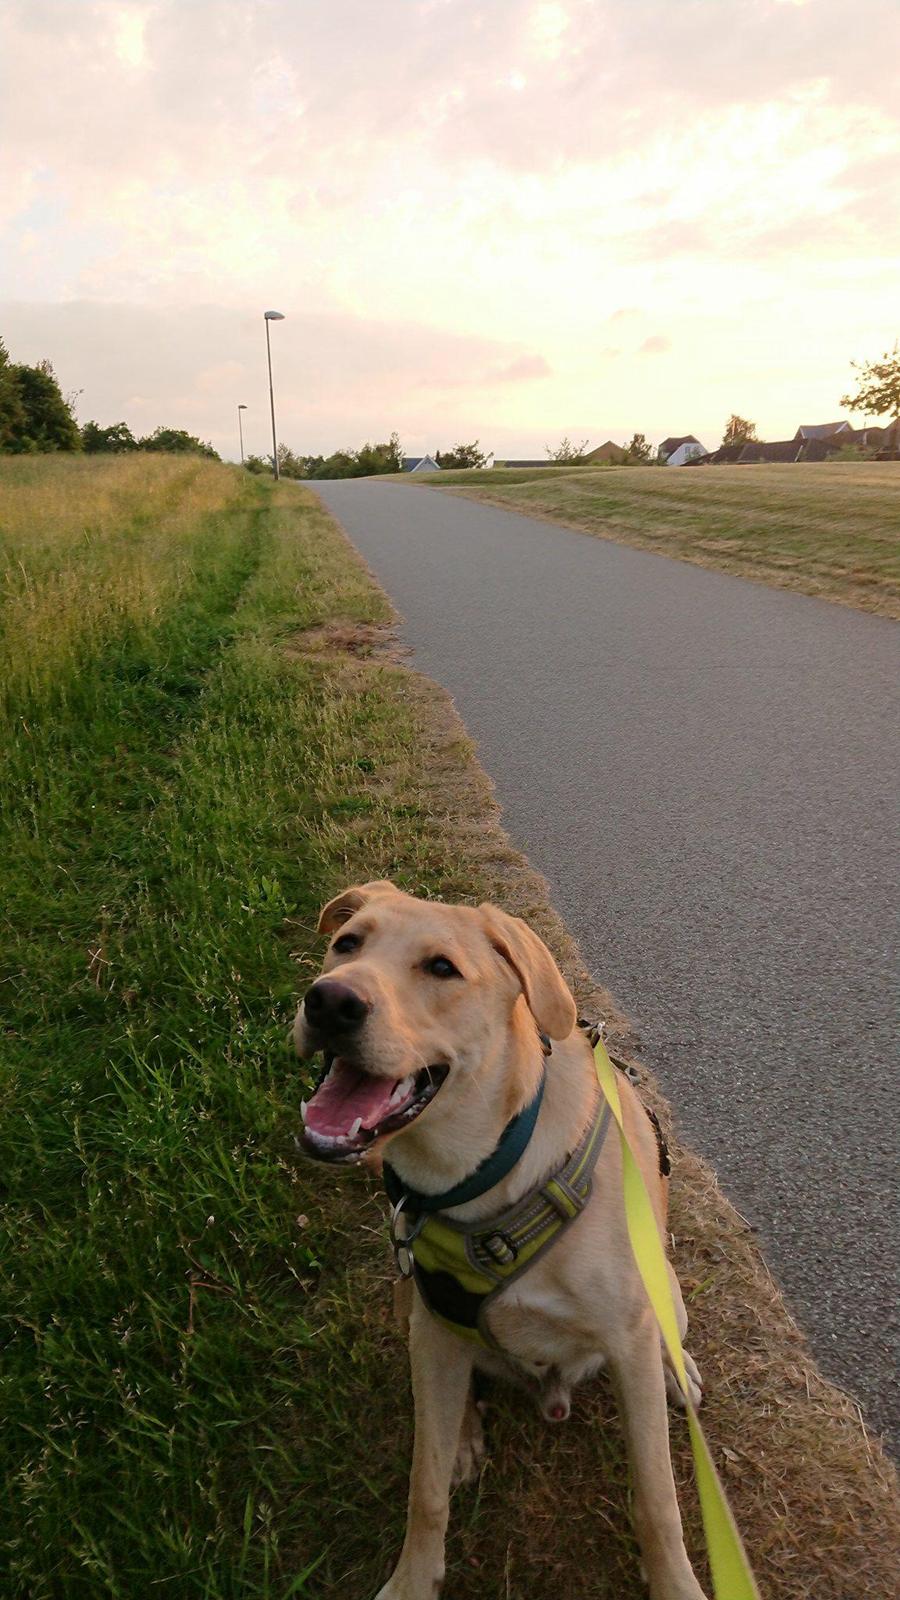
[{"x": 351, "y": 1108}]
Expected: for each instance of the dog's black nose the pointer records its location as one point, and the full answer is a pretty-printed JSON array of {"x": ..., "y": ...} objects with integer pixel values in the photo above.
[{"x": 333, "y": 1007}]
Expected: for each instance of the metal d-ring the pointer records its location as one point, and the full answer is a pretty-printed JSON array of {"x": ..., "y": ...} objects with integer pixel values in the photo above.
[{"x": 402, "y": 1247}]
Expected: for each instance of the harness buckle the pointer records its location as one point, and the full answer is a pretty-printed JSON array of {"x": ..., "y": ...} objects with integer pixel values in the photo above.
[
  {"x": 401, "y": 1243},
  {"x": 500, "y": 1248}
]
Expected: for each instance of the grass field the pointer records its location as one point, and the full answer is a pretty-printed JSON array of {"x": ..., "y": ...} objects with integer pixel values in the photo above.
[
  {"x": 202, "y": 736},
  {"x": 832, "y": 529}
]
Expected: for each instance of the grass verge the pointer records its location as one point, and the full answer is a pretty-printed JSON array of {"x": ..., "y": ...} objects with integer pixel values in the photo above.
[
  {"x": 204, "y": 1392},
  {"x": 831, "y": 530}
]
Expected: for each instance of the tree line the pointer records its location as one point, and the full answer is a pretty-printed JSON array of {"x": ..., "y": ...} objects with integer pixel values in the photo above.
[
  {"x": 36, "y": 417},
  {"x": 366, "y": 462}
]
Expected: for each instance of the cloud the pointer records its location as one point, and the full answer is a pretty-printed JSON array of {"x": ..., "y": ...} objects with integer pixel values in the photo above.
[
  {"x": 450, "y": 201},
  {"x": 337, "y": 378},
  {"x": 525, "y": 369},
  {"x": 656, "y": 345}
]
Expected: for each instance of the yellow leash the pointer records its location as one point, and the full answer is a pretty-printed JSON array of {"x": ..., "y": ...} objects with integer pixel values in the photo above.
[{"x": 732, "y": 1576}]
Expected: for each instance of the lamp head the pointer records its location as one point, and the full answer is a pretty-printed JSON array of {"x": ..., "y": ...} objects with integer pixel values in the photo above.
[
  {"x": 242, "y": 408},
  {"x": 274, "y": 316}
]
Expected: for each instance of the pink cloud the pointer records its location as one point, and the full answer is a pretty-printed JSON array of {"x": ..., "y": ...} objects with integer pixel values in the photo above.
[{"x": 194, "y": 365}]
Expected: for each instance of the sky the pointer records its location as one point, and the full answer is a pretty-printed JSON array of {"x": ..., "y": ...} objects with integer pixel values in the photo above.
[{"x": 509, "y": 220}]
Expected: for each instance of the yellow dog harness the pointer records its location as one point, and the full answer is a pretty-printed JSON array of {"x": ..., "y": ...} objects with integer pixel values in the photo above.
[{"x": 460, "y": 1267}]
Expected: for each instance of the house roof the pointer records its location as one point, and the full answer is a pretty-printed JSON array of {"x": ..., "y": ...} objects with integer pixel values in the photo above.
[
  {"x": 873, "y": 435},
  {"x": 821, "y": 430},
  {"x": 780, "y": 450},
  {"x": 420, "y": 464},
  {"x": 743, "y": 455},
  {"x": 726, "y": 455},
  {"x": 603, "y": 452},
  {"x": 669, "y": 446}
]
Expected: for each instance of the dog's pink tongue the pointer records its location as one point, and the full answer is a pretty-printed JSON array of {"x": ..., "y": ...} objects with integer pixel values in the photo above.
[{"x": 347, "y": 1094}]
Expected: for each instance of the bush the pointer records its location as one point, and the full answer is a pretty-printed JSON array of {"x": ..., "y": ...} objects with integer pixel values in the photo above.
[
  {"x": 175, "y": 441},
  {"x": 113, "y": 440}
]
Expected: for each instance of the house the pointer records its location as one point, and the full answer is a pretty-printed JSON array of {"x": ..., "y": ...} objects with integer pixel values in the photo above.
[
  {"x": 786, "y": 450},
  {"x": 677, "y": 452},
  {"x": 822, "y": 430},
  {"x": 608, "y": 452},
  {"x": 810, "y": 444},
  {"x": 420, "y": 464},
  {"x": 868, "y": 438},
  {"x": 756, "y": 450}
]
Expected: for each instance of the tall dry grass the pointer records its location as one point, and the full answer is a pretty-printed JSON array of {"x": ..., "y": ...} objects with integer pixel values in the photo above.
[{"x": 91, "y": 552}]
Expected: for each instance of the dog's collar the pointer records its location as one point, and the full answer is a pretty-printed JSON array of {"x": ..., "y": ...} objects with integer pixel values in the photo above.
[{"x": 512, "y": 1144}]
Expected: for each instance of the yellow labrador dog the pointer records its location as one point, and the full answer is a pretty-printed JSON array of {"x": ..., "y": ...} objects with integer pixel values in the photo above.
[{"x": 449, "y": 1043}]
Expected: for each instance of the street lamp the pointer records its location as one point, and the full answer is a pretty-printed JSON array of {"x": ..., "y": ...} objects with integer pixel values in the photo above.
[
  {"x": 241, "y": 431},
  {"x": 272, "y": 316}
]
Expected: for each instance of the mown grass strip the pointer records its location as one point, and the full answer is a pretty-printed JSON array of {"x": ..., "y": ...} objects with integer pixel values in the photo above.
[
  {"x": 204, "y": 1392},
  {"x": 830, "y": 529}
]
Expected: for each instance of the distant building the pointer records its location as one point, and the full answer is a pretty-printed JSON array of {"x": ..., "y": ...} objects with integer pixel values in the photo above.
[
  {"x": 822, "y": 430},
  {"x": 808, "y": 444},
  {"x": 608, "y": 452},
  {"x": 677, "y": 452},
  {"x": 870, "y": 438},
  {"x": 756, "y": 450},
  {"x": 420, "y": 464}
]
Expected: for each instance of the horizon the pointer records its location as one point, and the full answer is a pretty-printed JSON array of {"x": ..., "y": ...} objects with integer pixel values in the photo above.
[{"x": 514, "y": 224}]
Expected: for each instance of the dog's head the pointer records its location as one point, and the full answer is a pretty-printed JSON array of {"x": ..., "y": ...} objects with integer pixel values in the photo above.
[{"x": 414, "y": 995}]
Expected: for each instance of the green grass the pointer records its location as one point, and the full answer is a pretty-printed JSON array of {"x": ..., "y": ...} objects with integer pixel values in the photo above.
[
  {"x": 832, "y": 529},
  {"x": 203, "y": 1391},
  {"x": 175, "y": 794}
]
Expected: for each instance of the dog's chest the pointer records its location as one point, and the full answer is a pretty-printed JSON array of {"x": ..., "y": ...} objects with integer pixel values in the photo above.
[{"x": 541, "y": 1325}]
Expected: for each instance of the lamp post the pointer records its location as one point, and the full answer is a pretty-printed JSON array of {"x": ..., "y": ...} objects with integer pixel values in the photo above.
[
  {"x": 272, "y": 316},
  {"x": 241, "y": 431}
]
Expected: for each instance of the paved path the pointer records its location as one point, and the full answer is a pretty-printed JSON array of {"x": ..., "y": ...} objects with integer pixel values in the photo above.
[{"x": 705, "y": 771}]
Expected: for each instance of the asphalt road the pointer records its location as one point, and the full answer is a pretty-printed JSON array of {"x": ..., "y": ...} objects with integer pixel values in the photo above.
[{"x": 705, "y": 770}]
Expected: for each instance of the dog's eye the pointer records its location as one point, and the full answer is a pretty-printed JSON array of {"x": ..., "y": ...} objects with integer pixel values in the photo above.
[
  {"x": 346, "y": 943},
  {"x": 442, "y": 967}
]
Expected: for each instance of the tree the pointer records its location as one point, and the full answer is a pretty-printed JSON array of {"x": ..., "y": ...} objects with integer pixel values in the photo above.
[
  {"x": 363, "y": 463},
  {"x": 739, "y": 431},
  {"x": 568, "y": 454},
  {"x": 47, "y": 423},
  {"x": 378, "y": 458},
  {"x": 113, "y": 440},
  {"x": 290, "y": 465},
  {"x": 878, "y": 389},
  {"x": 175, "y": 441},
  {"x": 340, "y": 464},
  {"x": 462, "y": 455},
  {"x": 637, "y": 449},
  {"x": 12, "y": 412}
]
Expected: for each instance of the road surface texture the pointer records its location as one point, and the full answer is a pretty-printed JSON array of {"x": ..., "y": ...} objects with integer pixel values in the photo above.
[{"x": 704, "y": 769}]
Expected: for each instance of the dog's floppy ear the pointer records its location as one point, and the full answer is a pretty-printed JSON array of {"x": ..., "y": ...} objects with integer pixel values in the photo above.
[
  {"x": 543, "y": 985},
  {"x": 342, "y": 907}
]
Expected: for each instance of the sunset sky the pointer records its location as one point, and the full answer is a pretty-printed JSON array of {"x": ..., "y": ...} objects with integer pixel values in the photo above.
[{"x": 502, "y": 219}]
